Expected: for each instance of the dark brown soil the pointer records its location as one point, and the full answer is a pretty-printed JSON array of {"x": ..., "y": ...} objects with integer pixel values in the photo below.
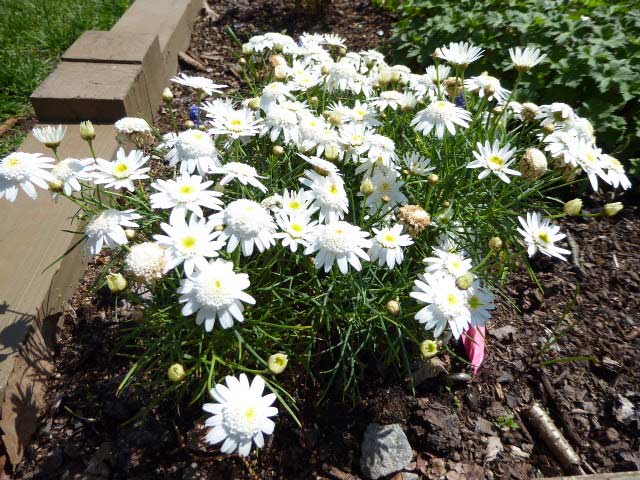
[{"x": 89, "y": 432}]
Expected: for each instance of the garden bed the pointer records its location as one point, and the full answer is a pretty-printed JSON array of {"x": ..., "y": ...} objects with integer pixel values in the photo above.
[{"x": 91, "y": 432}]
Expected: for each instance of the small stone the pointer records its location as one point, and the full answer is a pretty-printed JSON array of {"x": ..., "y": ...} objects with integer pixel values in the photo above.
[
  {"x": 503, "y": 332},
  {"x": 484, "y": 426},
  {"x": 518, "y": 452},
  {"x": 385, "y": 450},
  {"x": 494, "y": 447},
  {"x": 409, "y": 476},
  {"x": 612, "y": 435},
  {"x": 437, "y": 468},
  {"x": 623, "y": 410}
]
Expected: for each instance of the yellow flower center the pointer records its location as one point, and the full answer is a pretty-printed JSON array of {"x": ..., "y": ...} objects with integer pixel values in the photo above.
[
  {"x": 189, "y": 242},
  {"x": 296, "y": 227},
  {"x": 441, "y": 104},
  {"x": 250, "y": 414},
  {"x": 334, "y": 189},
  {"x": 544, "y": 236},
  {"x": 218, "y": 283},
  {"x": 452, "y": 299},
  {"x": 295, "y": 205},
  {"x": 390, "y": 238},
  {"x": 474, "y": 302},
  {"x": 198, "y": 135},
  {"x": 186, "y": 189},
  {"x": 456, "y": 264},
  {"x": 496, "y": 160},
  {"x": 236, "y": 122},
  {"x": 14, "y": 162}
]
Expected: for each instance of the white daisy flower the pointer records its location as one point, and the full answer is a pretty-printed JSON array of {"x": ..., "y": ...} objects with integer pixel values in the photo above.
[
  {"x": 329, "y": 195},
  {"x": 320, "y": 165},
  {"x": 333, "y": 40},
  {"x": 296, "y": 229},
  {"x": 275, "y": 92},
  {"x": 524, "y": 59},
  {"x": 242, "y": 172},
  {"x": 107, "y": 229},
  {"x": 246, "y": 223},
  {"x": 446, "y": 304},
  {"x": 129, "y": 125},
  {"x": 355, "y": 138},
  {"x": 201, "y": 84},
  {"x": 339, "y": 242},
  {"x": 422, "y": 86},
  {"x": 341, "y": 76},
  {"x": 278, "y": 121},
  {"x": 541, "y": 234},
  {"x": 408, "y": 101},
  {"x": 382, "y": 151},
  {"x": 240, "y": 416},
  {"x": 363, "y": 113},
  {"x": 480, "y": 302},
  {"x": 488, "y": 86},
  {"x": 386, "y": 194},
  {"x": 440, "y": 115},
  {"x": 188, "y": 243},
  {"x": 615, "y": 172},
  {"x": 122, "y": 172},
  {"x": 387, "y": 246},
  {"x": 558, "y": 144},
  {"x": 193, "y": 149},
  {"x": 236, "y": 123},
  {"x": 23, "y": 170},
  {"x": 459, "y": 54},
  {"x": 417, "y": 164},
  {"x": 320, "y": 140},
  {"x": 71, "y": 171},
  {"x": 556, "y": 112},
  {"x": 214, "y": 290},
  {"x": 494, "y": 159},
  {"x": 146, "y": 261},
  {"x": 296, "y": 203},
  {"x": 303, "y": 77},
  {"x": 589, "y": 158},
  {"x": 49, "y": 135},
  {"x": 447, "y": 262},
  {"x": 388, "y": 99},
  {"x": 437, "y": 73},
  {"x": 185, "y": 193}
]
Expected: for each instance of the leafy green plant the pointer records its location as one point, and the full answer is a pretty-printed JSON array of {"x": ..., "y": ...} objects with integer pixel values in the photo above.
[
  {"x": 507, "y": 422},
  {"x": 593, "y": 50}
]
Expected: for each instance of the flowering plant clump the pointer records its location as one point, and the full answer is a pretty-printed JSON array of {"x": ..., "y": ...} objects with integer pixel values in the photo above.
[{"x": 340, "y": 219}]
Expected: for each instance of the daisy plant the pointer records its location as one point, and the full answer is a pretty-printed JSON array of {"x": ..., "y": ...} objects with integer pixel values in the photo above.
[{"x": 339, "y": 215}]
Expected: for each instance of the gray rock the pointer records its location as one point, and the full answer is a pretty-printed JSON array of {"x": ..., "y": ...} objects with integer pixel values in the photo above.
[
  {"x": 410, "y": 476},
  {"x": 385, "y": 450}
]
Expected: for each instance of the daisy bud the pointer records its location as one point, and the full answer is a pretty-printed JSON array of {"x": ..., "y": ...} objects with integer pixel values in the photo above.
[
  {"x": 495, "y": 243},
  {"x": 247, "y": 49},
  {"x": 278, "y": 150},
  {"x": 332, "y": 152},
  {"x": 384, "y": 77},
  {"x": 254, "y": 104},
  {"x": 429, "y": 348},
  {"x": 278, "y": 48},
  {"x": 414, "y": 218},
  {"x": 464, "y": 282},
  {"x": 167, "y": 95},
  {"x": 56, "y": 186},
  {"x": 87, "y": 131},
  {"x": 432, "y": 178},
  {"x": 130, "y": 234},
  {"x": 393, "y": 307},
  {"x": 219, "y": 228},
  {"x": 395, "y": 76},
  {"x": 116, "y": 282},
  {"x": 453, "y": 86},
  {"x": 533, "y": 164},
  {"x": 281, "y": 72},
  {"x": 277, "y": 60},
  {"x": 176, "y": 373},
  {"x": 446, "y": 204},
  {"x": 202, "y": 128},
  {"x": 242, "y": 61},
  {"x": 367, "y": 187},
  {"x": 188, "y": 125},
  {"x": 335, "y": 118},
  {"x": 610, "y": 209},
  {"x": 218, "y": 187},
  {"x": 386, "y": 198},
  {"x": 498, "y": 110},
  {"x": 548, "y": 129},
  {"x": 573, "y": 207},
  {"x": 489, "y": 90},
  {"x": 278, "y": 362},
  {"x": 529, "y": 111},
  {"x": 325, "y": 69},
  {"x": 314, "y": 101}
]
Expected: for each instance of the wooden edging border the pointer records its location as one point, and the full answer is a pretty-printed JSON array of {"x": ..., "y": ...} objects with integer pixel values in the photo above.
[{"x": 102, "y": 77}]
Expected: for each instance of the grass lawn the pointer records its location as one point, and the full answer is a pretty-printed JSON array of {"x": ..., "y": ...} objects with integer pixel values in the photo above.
[{"x": 33, "y": 35}]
